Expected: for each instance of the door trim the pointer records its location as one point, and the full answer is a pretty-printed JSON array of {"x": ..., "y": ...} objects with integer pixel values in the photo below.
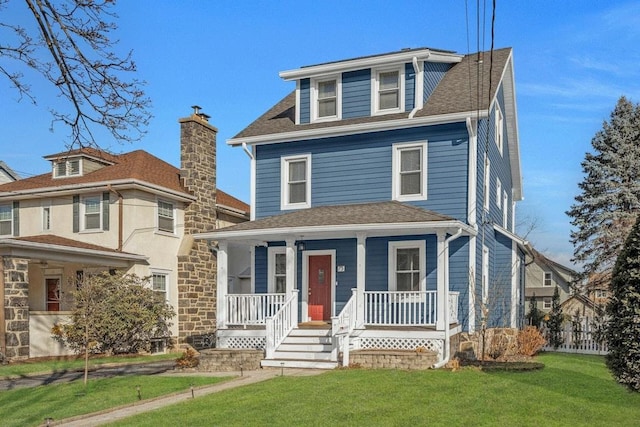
[{"x": 305, "y": 281}]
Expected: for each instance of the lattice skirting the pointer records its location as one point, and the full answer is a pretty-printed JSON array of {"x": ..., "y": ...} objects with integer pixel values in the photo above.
[
  {"x": 386, "y": 343},
  {"x": 245, "y": 343}
]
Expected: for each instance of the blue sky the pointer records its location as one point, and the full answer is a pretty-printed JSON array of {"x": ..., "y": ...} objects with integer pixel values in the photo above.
[{"x": 573, "y": 60}]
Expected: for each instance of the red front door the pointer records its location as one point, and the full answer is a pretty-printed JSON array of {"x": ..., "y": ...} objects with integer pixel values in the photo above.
[{"x": 320, "y": 287}]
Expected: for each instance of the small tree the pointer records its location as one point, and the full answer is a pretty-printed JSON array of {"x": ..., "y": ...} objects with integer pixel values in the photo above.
[
  {"x": 576, "y": 329},
  {"x": 114, "y": 313},
  {"x": 555, "y": 321},
  {"x": 534, "y": 316},
  {"x": 599, "y": 325},
  {"x": 623, "y": 328}
]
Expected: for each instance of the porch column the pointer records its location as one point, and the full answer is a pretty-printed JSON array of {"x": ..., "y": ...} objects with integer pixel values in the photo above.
[
  {"x": 291, "y": 265},
  {"x": 222, "y": 285},
  {"x": 360, "y": 277},
  {"x": 442, "y": 285}
]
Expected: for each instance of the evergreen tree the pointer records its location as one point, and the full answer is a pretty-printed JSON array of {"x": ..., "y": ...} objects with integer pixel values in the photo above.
[
  {"x": 555, "y": 321},
  {"x": 623, "y": 327},
  {"x": 534, "y": 316},
  {"x": 606, "y": 209}
]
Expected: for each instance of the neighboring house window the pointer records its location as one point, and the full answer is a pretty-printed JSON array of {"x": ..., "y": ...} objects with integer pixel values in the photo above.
[
  {"x": 53, "y": 293},
  {"x": 601, "y": 293},
  {"x": 388, "y": 90},
  {"x": 92, "y": 213},
  {"x": 409, "y": 171},
  {"x": 6, "y": 220},
  {"x": 499, "y": 193},
  {"x": 159, "y": 285},
  {"x": 487, "y": 182},
  {"x": 296, "y": 182},
  {"x": 46, "y": 216},
  {"x": 505, "y": 201},
  {"x": 547, "y": 278},
  {"x": 326, "y": 99},
  {"x": 485, "y": 274},
  {"x": 166, "y": 216},
  {"x": 546, "y": 303},
  {"x": 277, "y": 270},
  {"x": 499, "y": 122},
  {"x": 66, "y": 168},
  {"x": 407, "y": 266}
]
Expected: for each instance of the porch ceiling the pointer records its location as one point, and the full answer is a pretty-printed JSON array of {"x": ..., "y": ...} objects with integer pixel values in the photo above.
[{"x": 341, "y": 221}]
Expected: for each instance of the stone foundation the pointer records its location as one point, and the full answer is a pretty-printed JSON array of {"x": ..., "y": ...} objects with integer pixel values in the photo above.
[
  {"x": 393, "y": 359},
  {"x": 15, "y": 290},
  {"x": 227, "y": 360}
]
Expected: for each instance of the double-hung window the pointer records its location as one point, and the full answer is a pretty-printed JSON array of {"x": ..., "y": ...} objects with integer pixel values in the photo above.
[
  {"x": 277, "y": 270},
  {"x": 92, "y": 215},
  {"x": 6, "y": 220},
  {"x": 388, "y": 91},
  {"x": 547, "y": 278},
  {"x": 487, "y": 182},
  {"x": 166, "y": 220},
  {"x": 409, "y": 171},
  {"x": 326, "y": 102},
  {"x": 547, "y": 303},
  {"x": 295, "y": 188},
  {"x": 407, "y": 266},
  {"x": 159, "y": 285},
  {"x": 499, "y": 133}
]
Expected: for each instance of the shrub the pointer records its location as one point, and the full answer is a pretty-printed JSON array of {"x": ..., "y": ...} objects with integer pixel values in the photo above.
[
  {"x": 189, "y": 359},
  {"x": 530, "y": 341}
]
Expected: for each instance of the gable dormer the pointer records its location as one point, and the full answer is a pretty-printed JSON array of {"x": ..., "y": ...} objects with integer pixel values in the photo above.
[
  {"x": 78, "y": 162},
  {"x": 393, "y": 83}
]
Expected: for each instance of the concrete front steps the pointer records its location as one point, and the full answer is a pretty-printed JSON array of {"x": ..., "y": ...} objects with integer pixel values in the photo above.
[{"x": 304, "y": 348}]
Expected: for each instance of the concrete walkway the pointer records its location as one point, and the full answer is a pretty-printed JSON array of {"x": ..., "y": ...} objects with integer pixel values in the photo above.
[{"x": 248, "y": 377}]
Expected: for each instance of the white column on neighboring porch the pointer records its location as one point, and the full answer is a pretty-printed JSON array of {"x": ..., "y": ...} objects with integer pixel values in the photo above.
[
  {"x": 442, "y": 285},
  {"x": 222, "y": 284},
  {"x": 291, "y": 265},
  {"x": 361, "y": 254}
]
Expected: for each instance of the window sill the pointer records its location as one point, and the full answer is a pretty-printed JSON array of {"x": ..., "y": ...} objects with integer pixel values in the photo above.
[
  {"x": 92, "y": 231},
  {"x": 295, "y": 206},
  {"x": 165, "y": 233},
  {"x": 411, "y": 198}
]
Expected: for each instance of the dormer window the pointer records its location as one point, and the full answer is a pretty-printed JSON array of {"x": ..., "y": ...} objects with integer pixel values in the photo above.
[
  {"x": 326, "y": 100},
  {"x": 388, "y": 91},
  {"x": 66, "y": 168}
]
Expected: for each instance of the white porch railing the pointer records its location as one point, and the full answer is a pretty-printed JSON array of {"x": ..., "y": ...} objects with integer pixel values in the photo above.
[
  {"x": 416, "y": 308},
  {"x": 281, "y": 323},
  {"x": 341, "y": 327},
  {"x": 252, "y": 309}
]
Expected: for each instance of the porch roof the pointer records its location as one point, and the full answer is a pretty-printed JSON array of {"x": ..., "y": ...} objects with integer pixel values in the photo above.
[
  {"x": 340, "y": 221},
  {"x": 55, "y": 248}
]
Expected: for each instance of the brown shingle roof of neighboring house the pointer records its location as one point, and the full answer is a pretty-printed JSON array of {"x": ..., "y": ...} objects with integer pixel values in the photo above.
[
  {"x": 227, "y": 200},
  {"x": 50, "y": 239},
  {"x": 457, "y": 92}
]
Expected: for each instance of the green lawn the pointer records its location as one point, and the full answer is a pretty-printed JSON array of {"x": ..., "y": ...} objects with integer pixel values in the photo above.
[
  {"x": 18, "y": 369},
  {"x": 30, "y": 406},
  {"x": 571, "y": 390}
]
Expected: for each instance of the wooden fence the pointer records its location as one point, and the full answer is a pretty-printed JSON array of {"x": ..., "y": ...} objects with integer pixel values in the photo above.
[{"x": 578, "y": 340}]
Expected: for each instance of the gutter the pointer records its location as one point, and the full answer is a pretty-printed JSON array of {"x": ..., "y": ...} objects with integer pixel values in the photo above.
[{"x": 447, "y": 338}]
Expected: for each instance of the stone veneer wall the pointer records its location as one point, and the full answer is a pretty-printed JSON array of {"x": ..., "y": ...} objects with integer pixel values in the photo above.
[
  {"x": 392, "y": 359},
  {"x": 226, "y": 360},
  {"x": 197, "y": 269},
  {"x": 15, "y": 286}
]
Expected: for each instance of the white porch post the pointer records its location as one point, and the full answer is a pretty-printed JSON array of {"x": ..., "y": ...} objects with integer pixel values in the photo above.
[
  {"x": 291, "y": 265},
  {"x": 222, "y": 283},
  {"x": 360, "y": 278},
  {"x": 442, "y": 285}
]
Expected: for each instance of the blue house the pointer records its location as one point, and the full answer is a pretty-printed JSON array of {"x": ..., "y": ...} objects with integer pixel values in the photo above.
[{"x": 383, "y": 194}]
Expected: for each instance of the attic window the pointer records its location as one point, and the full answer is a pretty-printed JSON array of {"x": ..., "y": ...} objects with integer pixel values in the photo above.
[
  {"x": 66, "y": 168},
  {"x": 326, "y": 102},
  {"x": 388, "y": 89}
]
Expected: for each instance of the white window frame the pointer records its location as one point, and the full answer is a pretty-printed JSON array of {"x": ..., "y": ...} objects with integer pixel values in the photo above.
[
  {"x": 68, "y": 170},
  {"x": 10, "y": 220},
  {"x": 393, "y": 261},
  {"x": 485, "y": 274},
  {"x": 375, "y": 89},
  {"x": 173, "y": 212},
  {"x": 271, "y": 267},
  {"x": 547, "y": 303},
  {"x": 167, "y": 280},
  {"x": 284, "y": 182},
  {"x": 315, "y": 94},
  {"x": 396, "y": 171},
  {"x": 600, "y": 294},
  {"x": 498, "y": 193},
  {"x": 505, "y": 203},
  {"x": 487, "y": 182},
  {"x": 46, "y": 215},
  {"x": 499, "y": 128},
  {"x": 83, "y": 212},
  {"x": 545, "y": 275}
]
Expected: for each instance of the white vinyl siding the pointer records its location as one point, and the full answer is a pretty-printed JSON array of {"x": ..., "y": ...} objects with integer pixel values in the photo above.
[
  {"x": 295, "y": 188},
  {"x": 407, "y": 266},
  {"x": 409, "y": 180}
]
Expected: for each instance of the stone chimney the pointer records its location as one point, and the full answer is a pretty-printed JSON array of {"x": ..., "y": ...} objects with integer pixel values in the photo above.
[{"x": 196, "y": 264}]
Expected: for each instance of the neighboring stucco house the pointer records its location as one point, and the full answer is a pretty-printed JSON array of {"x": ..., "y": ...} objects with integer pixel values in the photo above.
[
  {"x": 95, "y": 211},
  {"x": 383, "y": 198},
  {"x": 543, "y": 275},
  {"x": 7, "y": 174}
]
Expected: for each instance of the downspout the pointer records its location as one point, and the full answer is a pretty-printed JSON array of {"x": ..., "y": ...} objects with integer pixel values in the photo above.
[
  {"x": 417, "y": 104},
  {"x": 120, "y": 215},
  {"x": 252, "y": 202},
  {"x": 447, "y": 338}
]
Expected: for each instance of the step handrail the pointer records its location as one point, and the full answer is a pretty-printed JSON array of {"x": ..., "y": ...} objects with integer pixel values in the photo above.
[
  {"x": 342, "y": 326},
  {"x": 281, "y": 324}
]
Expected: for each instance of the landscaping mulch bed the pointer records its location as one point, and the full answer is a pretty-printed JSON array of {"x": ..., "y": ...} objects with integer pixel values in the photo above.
[{"x": 496, "y": 366}]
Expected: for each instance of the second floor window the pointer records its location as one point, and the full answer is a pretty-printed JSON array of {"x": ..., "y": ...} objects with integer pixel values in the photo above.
[
  {"x": 499, "y": 122},
  {"x": 296, "y": 182},
  {"x": 159, "y": 285},
  {"x": 6, "y": 220},
  {"x": 46, "y": 216},
  {"x": 409, "y": 172},
  {"x": 547, "y": 278},
  {"x": 327, "y": 98},
  {"x": 165, "y": 216},
  {"x": 92, "y": 213},
  {"x": 387, "y": 89}
]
